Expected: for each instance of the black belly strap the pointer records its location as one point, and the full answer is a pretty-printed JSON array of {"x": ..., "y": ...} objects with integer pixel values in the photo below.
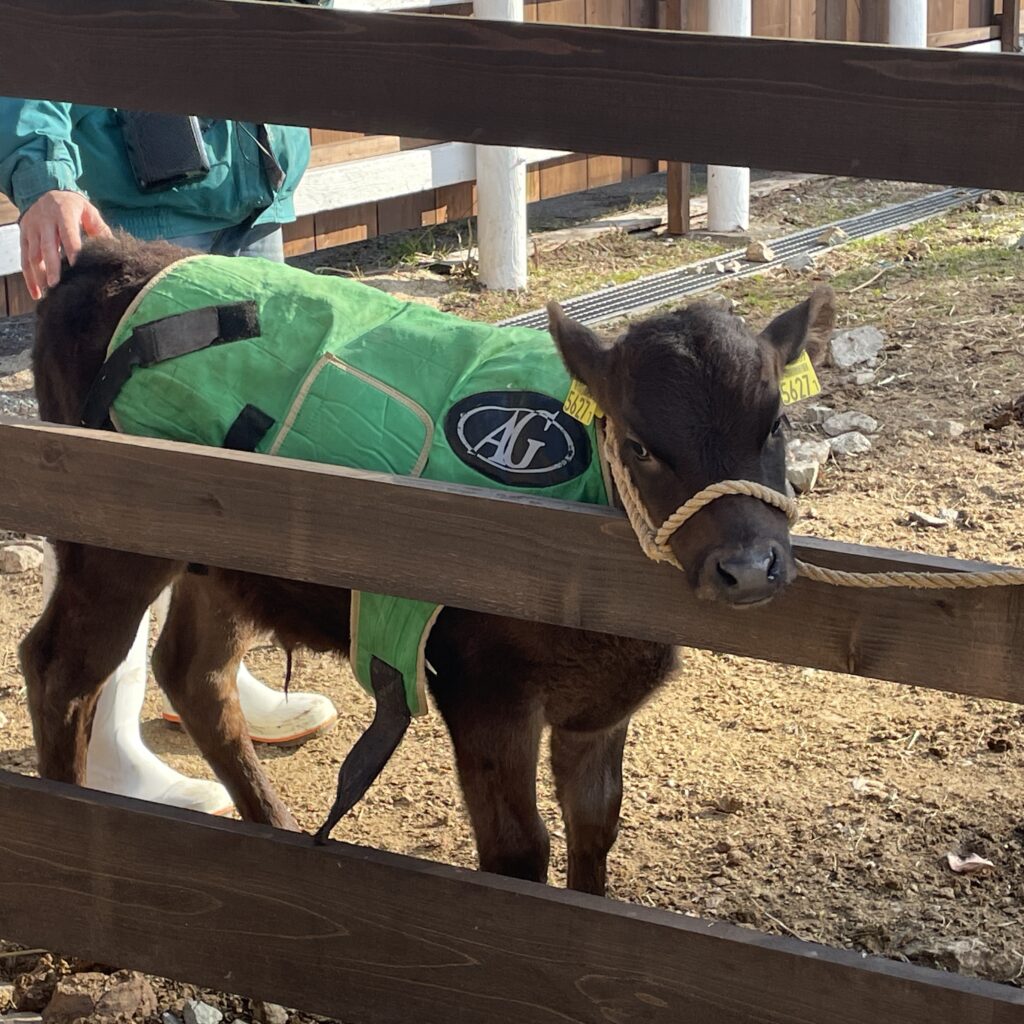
[{"x": 374, "y": 748}]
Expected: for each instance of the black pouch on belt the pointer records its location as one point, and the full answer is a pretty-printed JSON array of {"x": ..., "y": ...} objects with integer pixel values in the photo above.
[{"x": 164, "y": 150}]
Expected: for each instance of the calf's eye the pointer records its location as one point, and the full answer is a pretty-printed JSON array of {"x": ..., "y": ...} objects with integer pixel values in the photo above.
[
  {"x": 638, "y": 450},
  {"x": 777, "y": 427}
]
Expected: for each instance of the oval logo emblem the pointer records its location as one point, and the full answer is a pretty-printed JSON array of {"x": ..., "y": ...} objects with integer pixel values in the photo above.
[{"x": 519, "y": 438}]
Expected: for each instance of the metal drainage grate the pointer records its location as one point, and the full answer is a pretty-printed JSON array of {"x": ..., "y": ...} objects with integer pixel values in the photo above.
[{"x": 658, "y": 289}]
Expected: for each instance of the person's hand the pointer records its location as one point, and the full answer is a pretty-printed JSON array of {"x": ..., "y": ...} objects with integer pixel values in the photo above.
[{"x": 55, "y": 221}]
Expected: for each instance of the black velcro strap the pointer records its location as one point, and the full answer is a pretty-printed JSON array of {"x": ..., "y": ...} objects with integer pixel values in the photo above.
[
  {"x": 167, "y": 338},
  {"x": 249, "y": 428}
]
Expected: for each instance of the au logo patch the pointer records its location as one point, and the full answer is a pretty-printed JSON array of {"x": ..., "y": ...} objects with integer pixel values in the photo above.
[{"x": 519, "y": 438}]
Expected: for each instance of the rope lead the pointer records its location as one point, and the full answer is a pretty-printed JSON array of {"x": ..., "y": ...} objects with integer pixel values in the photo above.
[{"x": 655, "y": 541}]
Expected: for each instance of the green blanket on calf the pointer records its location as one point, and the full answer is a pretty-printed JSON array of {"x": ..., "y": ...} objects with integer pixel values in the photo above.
[{"x": 248, "y": 354}]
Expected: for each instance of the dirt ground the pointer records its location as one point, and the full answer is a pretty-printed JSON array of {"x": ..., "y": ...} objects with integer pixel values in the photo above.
[{"x": 790, "y": 800}]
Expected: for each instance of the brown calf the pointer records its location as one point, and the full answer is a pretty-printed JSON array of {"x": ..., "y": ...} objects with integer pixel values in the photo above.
[{"x": 695, "y": 399}]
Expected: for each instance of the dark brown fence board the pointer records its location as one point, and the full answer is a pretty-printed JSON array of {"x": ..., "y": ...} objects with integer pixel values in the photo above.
[
  {"x": 848, "y": 109},
  {"x": 534, "y": 559},
  {"x": 367, "y": 936}
]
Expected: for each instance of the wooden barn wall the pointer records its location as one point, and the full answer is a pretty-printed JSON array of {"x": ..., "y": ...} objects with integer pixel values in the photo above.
[{"x": 863, "y": 20}]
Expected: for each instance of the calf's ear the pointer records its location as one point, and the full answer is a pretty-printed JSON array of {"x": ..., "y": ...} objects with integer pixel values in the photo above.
[
  {"x": 584, "y": 353},
  {"x": 807, "y": 326}
]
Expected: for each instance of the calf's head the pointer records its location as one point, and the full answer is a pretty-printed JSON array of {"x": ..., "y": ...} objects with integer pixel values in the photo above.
[{"x": 694, "y": 399}]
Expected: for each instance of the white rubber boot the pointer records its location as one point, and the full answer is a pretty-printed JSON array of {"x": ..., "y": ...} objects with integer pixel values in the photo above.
[
  {"x": 118, "y": 761},
  {"x": 272, "y": 716}
]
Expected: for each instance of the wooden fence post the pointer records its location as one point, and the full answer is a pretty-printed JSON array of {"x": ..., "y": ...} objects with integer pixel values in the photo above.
[
  {"x": 677, "y": 177},
  {"x": 501, "y": 190},
  {"x": 729, "y": 187},
  {"x": 1011, "y": 26},
  {"x": 908, "y": 23}
]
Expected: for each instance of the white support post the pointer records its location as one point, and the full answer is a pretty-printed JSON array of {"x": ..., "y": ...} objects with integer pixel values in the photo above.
[
  {"x": 908, "y": 23},
  {"x": 729, "y": 187},
  {"x": 501, "y": 190}
]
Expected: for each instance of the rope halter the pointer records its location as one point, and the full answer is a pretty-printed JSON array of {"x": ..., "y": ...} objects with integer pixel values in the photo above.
[{"x": 654, "y": 541}]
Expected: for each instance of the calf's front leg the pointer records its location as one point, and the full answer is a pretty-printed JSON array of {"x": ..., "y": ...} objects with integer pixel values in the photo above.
[{"x": 587, "y": 767}]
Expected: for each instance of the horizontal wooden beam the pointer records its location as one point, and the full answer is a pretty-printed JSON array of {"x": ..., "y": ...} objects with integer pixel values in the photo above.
[
  {"x": 964, "y": 36},
  {"x": 870, "y": 111},
  {"x": 363, "y": 935},
  {"x": 530, "y": 558}
]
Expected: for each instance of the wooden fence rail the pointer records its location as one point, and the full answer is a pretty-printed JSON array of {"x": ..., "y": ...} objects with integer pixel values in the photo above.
[
  {"x": 530, "y": 558},
  {"x": 869, "y": 111},
  {"x": 371, "y": 936}
]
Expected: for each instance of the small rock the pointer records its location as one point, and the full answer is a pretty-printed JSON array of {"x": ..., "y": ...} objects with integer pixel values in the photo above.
[
  {"x": 126, "y": 993},
  {"x": 863, "y": 377},
  {"x": 923, "y": 519},
  {"x": 832, "y": 236},
  {"x": 968, "y": 955},
  {"x": 32, "y": 991},
  {"x": 1007, "y": 241},
  {"x": 719, "y": 301},
  {"x": 732, "y": 267},
  {"x": 803, "y": 475},
  {"x": 6, "y": 991},
  {"x": 1001, "y": 419},
  {"x": 844, "y": 422},
  {"x": 988, "y": 218},
  {"x": 943, "y": 428},
  {"x": 169, "y": 1018},
  {"x": 815, "y": 414},
  {"x": 852, "y": 443},
  {"x": 801, "y": 263},
  {"x": 997, "y": 197},
  {"x": 270, "y": 1013},
  {"x": 3, "y": 725},
  {"x": 19, "y": 558},
  {"x": 760, "y": 252},
  {"x": 856, "y": 346},
  {"x": 198, "y": 1012},
  {"x": 804, "y": 449}
]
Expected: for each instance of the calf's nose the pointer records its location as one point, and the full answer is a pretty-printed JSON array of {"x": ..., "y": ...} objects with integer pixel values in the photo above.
[{"x": 750, "y": 575}]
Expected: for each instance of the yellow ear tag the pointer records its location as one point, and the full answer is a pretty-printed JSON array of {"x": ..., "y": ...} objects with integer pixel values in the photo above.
[
  {"x": 580, "y": 403},
  {"x": 799, "y": 381}
]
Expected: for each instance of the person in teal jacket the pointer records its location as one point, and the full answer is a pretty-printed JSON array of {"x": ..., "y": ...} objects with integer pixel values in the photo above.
[{"x": 66, "y": 167}]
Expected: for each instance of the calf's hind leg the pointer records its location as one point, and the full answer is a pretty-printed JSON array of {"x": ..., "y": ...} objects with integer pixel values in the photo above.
[
  {"x": 587, "y": 767},
  {"x": 83, "y": 635},
  {"x": 196, "y": 664}
]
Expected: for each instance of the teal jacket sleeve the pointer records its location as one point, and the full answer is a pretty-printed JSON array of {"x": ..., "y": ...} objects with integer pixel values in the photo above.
[{"x": 36, "y": 151}]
